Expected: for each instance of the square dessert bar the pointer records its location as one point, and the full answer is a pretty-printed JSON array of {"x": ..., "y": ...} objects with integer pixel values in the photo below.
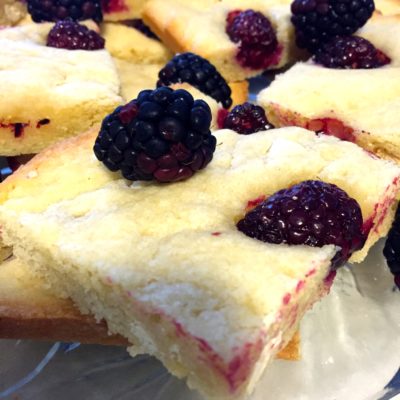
[
  {"x": 48, "y": 93},
  {"x": 184, "y": 27},
  {"x": 165, "y": 265},
  {"x": 360, "y": 105}
]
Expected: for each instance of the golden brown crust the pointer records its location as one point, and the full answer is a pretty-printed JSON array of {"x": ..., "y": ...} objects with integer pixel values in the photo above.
[
  {"x": 82, "y": 330},
  {"x": 28, "y": 310},
  {"x": 240, "y": 92},
  {"x": 292, "y": 351}
]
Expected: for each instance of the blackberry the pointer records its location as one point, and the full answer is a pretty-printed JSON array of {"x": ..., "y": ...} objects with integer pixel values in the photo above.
[
  {"x": 139, "y": 25},
  {"x": 313, "y": 213},
  {"x": 162, "y": 135},
  {"x": 247, "y": 118},
  {"x": 54, "y": 10},
  {"x": 200, "y": 73},
  {"x": 318, "y": 21},
  {"x": 350, "y": 52},
  {"x": 73, "y": 36},
  {"x": 391, "y": 251},
  {"x": 256, "y": 37}
]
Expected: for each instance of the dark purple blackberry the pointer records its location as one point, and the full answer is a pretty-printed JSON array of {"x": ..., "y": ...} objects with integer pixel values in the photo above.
[
  {"x": 247, "y": 118},
  {"x": 318, "y": 21},
  {"x": 350, "y": 52},
  {"x": 313, "y": 213},
  {"x": 391, "y": 251},
  {"x": 139, "y": 25},
  {"x": 162, "y": 135},
  {"x": 253, "y": 31},
  {"x": 54, "y": 10},
  {"x": 200, "y": 73},
  {"x": 73, "y": 36}
]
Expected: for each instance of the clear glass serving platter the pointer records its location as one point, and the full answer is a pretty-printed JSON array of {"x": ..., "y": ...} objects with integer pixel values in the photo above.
[{"x": 350, "y": 350}]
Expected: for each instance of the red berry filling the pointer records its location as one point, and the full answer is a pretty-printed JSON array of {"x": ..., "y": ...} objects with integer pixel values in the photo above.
[
  {"x": 114, "y": 6},
  {"x": 16, "y": 127},
  {"x": 332, "y": 127},
  {"x": 255, "y": 35}
]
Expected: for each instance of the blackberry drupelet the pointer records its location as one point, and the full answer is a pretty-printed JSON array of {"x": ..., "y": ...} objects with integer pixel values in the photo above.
[
  {"x": 391, "y": 251},
  {"x": 200, "y": 73},
  {"x": 256, "y": 37},
  {"x": 247, "y": 118},
  {"x": 162, "y": 135},
  {"x": 318, "y": 21},
  {"x": 313, "y": 213},
  {"x": 54, "y": 10},
  {"x": 73, "y": 36},
  {"x": 139, "y": 25},
  {"x": 350, "y": 52}
]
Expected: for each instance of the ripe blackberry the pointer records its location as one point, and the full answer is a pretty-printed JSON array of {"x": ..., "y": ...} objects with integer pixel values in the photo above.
[
  {"x": 256, "y": 37},
  {"x": 247, "y": 118},
  {"x": 200, "y": 73},
  {"x": 313, "y": 213},
  {"x": 139, "y": 25},
  {"x": 54, "y": 10},
  {"x": 318, "y": 21},
  {"x": 391, "y": 251},
  {"x": 162, "y": 135},
  {"x": 350, "y": 52},
  {"x": 73, "y": 36}
]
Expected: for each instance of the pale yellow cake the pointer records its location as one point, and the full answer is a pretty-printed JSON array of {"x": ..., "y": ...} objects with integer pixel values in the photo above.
[
  {"x": 166, "y": 267},
  {"x": 183, "y": 27},
  {"x": 48, "y": 93},
  {"x": 388, "y": 7},
  {"x": 363, "y": 104},
  {"x": 119, "y": 10},
  {"x": 129, "y": 44}
]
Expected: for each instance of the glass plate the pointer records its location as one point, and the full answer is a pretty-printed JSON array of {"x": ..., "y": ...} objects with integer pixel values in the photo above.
[{"x": 350, "y": 350}]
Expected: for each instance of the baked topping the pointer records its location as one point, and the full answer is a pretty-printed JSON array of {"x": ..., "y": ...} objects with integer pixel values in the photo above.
[
  {"x": 318, "y": 21},
  {"x": 162, "y": 135},
  {"x": 246, "y": 118},
  {"x": 350, "y": 52},
  {"x": 200, "y": 73},
  {"x": 72, "y": 36},
  {"x": 54, "y": 10},
  {"x": 391, "y": 250},
  {"x": 256, "y": 38},
  {"x": 313, "y": 213}
]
